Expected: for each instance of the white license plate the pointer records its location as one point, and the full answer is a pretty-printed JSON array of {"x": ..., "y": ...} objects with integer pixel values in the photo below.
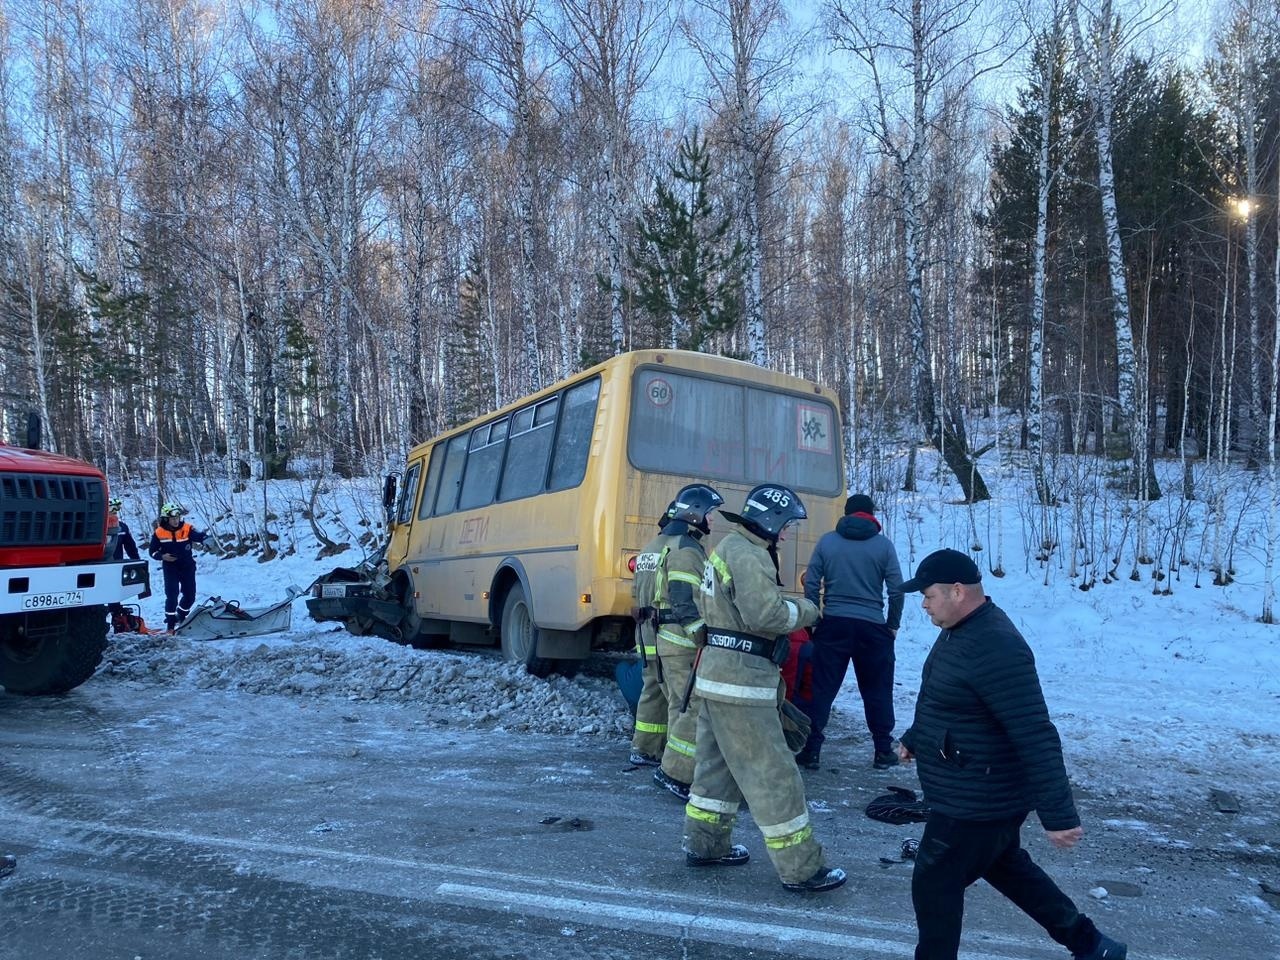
[
  {"x": 49, "y": 601},
  {"x": 333, "y": 590}
]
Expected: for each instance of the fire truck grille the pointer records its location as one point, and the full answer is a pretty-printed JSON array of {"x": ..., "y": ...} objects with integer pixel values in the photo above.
[{"x": 50, "y": 510}]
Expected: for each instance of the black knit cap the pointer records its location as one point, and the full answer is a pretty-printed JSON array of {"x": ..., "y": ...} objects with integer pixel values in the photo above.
[
  {"x": 859, "y": 503},
  {"x": 943, "y": 566}
]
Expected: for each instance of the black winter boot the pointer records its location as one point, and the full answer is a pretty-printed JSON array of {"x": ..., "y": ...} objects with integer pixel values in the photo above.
[
  {"x": 736, "y": 857},
  {"x": 809, "y": 756},
  {"x": 824, "y": 879},
  {"x": 885, "y": 760},
  {"x": 668, "y": 782}
]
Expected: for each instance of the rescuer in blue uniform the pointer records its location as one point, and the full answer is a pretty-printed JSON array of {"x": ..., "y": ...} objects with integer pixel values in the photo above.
[{"x": 171, "y": 545}]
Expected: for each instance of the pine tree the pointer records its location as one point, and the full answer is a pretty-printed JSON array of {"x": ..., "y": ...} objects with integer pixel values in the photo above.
[
  {"x": 469, "y": 361},
  {"x": 687, "y": 276}
]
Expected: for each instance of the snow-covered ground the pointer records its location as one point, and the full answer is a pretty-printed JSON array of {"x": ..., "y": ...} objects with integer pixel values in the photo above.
[{"x": 1159, "y": 698}]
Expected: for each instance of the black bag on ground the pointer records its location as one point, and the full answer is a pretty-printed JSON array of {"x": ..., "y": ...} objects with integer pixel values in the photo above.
[{"x": 898, "y": 806}]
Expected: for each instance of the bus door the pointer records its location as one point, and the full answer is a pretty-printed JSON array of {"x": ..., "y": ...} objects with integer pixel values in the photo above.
[{"x": 402, "y": 525}]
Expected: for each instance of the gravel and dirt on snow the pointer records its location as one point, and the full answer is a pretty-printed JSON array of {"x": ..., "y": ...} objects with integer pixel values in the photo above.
[{"x": 467, "y": 689}]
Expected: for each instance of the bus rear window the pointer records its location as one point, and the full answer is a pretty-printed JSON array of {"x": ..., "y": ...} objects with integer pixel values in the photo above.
[{"x": 729, "y": 431}]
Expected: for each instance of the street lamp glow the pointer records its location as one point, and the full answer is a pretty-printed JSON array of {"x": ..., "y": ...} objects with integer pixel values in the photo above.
[{"x": 1243, "y": 207}]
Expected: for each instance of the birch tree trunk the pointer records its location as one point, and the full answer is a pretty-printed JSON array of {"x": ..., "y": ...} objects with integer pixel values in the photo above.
[
  {"x": 746, "y": 37},
  {"x": 614, "y": 241},
  {"x": 38, "y": 342},
  {"x": 1249, "y": 121},
  {"x": 749, "y": 57},
  {"x": 1099, "y": 73},
  {"x": 1035, "y": 348},
  {"x": 612, "y": 47},
  {"x": 1268, "y": 574},
  {"x": 501, "y": 38},
  {"x": 881, "y": 36}
]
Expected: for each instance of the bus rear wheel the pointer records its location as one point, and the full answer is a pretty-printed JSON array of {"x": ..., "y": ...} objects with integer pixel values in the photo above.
[{"x": 520, "y": 635}]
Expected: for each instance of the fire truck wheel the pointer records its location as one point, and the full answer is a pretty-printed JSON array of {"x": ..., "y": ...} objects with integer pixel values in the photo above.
[{"x": 51, "y": 652}]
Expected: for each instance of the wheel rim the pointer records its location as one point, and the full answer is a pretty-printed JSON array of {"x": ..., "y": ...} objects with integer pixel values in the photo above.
[
  {"x": 16, "y": 648},
  {"x": 520, "y": 626}
]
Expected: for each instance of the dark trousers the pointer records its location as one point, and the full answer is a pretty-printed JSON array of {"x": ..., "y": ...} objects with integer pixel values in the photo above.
[
  {"x": 837, "y": 641},
  {"x": 955, "y": 853},
  {"x": 178, "y": 579}
]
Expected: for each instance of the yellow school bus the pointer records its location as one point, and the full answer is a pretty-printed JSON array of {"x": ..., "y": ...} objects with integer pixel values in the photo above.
[{"x": 523, "y": 525}]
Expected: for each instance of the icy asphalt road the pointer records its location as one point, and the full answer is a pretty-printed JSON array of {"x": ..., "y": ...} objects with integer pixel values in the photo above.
[{"x": 158, "y": 823}]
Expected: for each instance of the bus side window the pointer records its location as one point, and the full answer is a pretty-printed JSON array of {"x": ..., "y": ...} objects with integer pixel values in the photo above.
[
  {"x": 451, "y": 477},
  {"x": 483, "y": 464},
  {"x": 530, "y": 443},
  {"x": 433, "y": 481},
  {"x": 408, "y": 492},
  {"x": 573, "y": 439}
]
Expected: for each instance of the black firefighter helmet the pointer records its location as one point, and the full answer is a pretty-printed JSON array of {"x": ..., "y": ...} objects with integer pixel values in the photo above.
[
  {"x": 768, "y": 508},
  {"x": 693, "y": 503}
]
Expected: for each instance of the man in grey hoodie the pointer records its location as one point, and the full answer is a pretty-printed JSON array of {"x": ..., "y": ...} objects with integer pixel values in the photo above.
[{"x": 851, "y": 568}]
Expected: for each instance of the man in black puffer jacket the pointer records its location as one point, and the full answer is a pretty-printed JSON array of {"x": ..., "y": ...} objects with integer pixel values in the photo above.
[{"x": 988, "y": 755}]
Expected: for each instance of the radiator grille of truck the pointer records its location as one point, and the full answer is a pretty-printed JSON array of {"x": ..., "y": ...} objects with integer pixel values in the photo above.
[{"x": 49, "y": 510}]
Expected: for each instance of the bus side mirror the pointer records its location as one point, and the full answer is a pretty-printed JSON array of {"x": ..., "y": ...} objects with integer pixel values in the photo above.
[
  {"x": 33, "y": 431},
  {"x": 389, "y": 496}
]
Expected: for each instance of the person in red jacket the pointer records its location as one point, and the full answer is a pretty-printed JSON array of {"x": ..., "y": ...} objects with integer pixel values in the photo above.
[
  {"x": 797, "y": 669},
  {"x": 171, "y": 545}
]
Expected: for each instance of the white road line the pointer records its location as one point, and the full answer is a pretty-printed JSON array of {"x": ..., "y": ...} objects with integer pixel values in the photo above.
[
  {"x": 719, "y": 929},
  {"x": 866, "y": 933}
]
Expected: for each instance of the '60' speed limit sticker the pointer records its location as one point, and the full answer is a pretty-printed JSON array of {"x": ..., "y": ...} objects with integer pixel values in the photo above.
[{"x": 659, "y": 392}]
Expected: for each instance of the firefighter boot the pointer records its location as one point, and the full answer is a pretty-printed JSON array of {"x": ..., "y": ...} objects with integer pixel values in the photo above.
[
  {"x": 824, "y": 879},
  {"x": 736, "y": 857},
  {"x": 668, "y": 782}
]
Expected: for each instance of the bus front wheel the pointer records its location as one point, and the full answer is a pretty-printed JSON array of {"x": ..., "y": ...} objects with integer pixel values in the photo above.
[{"x": 520, "y": 635}]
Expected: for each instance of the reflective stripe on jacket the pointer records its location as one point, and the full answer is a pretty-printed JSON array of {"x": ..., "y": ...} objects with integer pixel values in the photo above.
[
  {"x": 740, "y": 592},
  {"x": 176, "y": 542},
  {"x": 668, "y": 574}
]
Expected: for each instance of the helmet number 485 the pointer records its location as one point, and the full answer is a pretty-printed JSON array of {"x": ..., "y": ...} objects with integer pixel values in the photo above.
[{"x": 781, "y": 497}]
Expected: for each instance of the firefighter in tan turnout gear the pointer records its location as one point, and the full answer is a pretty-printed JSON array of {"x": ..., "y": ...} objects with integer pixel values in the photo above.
[
  {"x": 677, "y": 559},
  {"x": 650, "y": 737},
  {"x": 741, "y": 751}
]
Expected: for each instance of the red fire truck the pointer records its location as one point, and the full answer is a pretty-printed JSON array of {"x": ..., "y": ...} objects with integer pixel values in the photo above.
[{"x": 56, "y": 575}]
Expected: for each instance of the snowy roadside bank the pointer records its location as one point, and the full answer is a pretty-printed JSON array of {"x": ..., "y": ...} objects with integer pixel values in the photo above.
[
  {"x": 461, "y": 689},
  {"x": 1119, "y": 743},
  {"x": 1159, "y": 696}
]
